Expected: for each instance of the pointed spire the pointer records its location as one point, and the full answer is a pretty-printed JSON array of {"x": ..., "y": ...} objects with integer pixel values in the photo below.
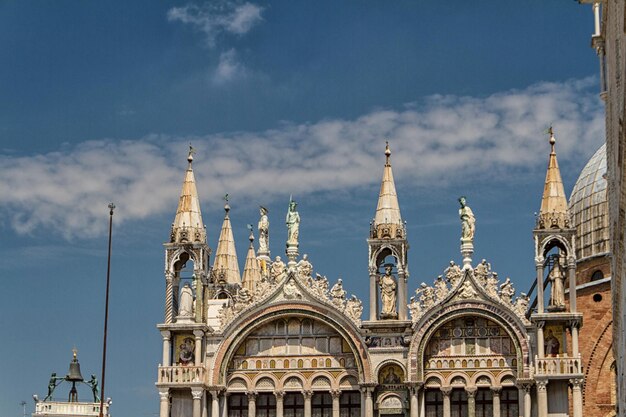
[
  {"x": 252, "y": 270},
  {"x": 553, "y": 213},
  {"x": 387, "y": 220},
  {"x": 226, "y": 266},
  {"x": 188, "y": 225}
]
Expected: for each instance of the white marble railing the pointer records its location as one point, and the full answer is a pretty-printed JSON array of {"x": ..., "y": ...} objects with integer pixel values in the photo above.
[
  {"x": 180, "y": 374},
  {"x": 66, "y": 408},
  {"x": 558, "y": 366},
  {"x": 474, "y": 361}
]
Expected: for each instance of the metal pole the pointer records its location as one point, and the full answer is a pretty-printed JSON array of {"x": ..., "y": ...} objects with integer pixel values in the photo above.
[{"x": 106, "y": 309}]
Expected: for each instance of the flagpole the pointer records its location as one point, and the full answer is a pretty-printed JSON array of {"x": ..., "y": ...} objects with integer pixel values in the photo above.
[{"x": 106, "y": 309}]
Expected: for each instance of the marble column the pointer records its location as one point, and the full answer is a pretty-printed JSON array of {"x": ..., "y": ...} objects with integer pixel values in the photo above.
[
  {"x": 280, "y": 396},
  {"x": 363, "y": 395},
  {"x": 540, "y": 340},
  {"x": 446, "y": 391},
  {"x": 574, "y": 331},
  {"x": 527, "y": 400},
  {"x": 571, "y": 273},
  {"x": 164, "y": 397},
  {"x": 215, "y": 404},
  {"x": 495, "y": 393},
  {"x": 251, "y": 404},
  {"x": 205, "y": 404},
  {"x": 176, "y": 294},
  {"x": 402, "y": 304},
  {"x": 373, "y": 294},
  {"x": 307, "y": 403},
  {"x": 369, "y": 402},
  {"x": 542, "y": 397},
  {"x": 336, "y": 396},
  {"x": 199, "y": 307},
  {"x": 196, "y": 393},
  {"x": 198, "y": 349},
  {"x": 224, "y": 401},
  {"x": 166, "y": 334},
  {"x": 539, "y": 268},
  {"x": 169, "y": 298},
  {"x": 471, "y": 401},
  {"x": 414, "y": 401},
  {"x": 577, "y": 396}
]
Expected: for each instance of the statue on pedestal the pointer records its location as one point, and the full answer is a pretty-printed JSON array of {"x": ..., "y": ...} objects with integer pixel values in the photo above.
[
  {"x": 277, "y": 271},
  {"x": 264, "y": 232},
  {"x": 453, "y": 274},
  {"x": 93, "y": 383},
  {"x": 293, "y": 224},
  {"x": 388, "y": 294},
  {"x": 338, "y": 294},
  {"x": 186, "y": 301},
  {"x": 557, "y": 289},
  {"x": 468, "y": 221},
  {"x": 507, "y": 291}
]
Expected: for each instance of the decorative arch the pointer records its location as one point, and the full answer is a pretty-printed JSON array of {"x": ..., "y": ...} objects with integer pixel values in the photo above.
[
  {"x": 435, "y": 318},
  {"x": 389, "y": 362},
  {"x": 176, "y": 256},
  {"x": 243, "y": 326},
  {"x": 292, "y": 376},
  {"x": 382, "y": 252},
  {"x": 480, "y": 376},
  {"x": 259, "y": 380},
  {"x": 552, "y": 241},
  {"x": 238, "y": 384}
]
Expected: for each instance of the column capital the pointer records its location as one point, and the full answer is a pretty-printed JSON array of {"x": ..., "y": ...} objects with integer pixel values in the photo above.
[
  {"x": 251, "y": 395},
  {"x": 525, "y": 385},
  {"x": 540, "y": 324},
  {"x": 169, "y": 276},
  {"x": 446, "y": 391},
  {"x": 279, "y": 395},
  {"x": 577, "y": 383},
  {"x": 496, "y": 391},
  {"x": 307, "y": 394},
  {"x": 471, "y": 391},
  {"x": 164, "y": 394},
  {"x": 196, "y": 393},
  {"x": 166, "y": 334},
  {"x": 542, "y": 384},
  {"x": 198, "y": 333},
  {"x": 336, "y": 394}
]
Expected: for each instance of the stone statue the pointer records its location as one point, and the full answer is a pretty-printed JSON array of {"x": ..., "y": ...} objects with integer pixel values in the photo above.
[
  {"x": 453, "y": 274},
  {"x": 388, "y": 294},
  {"x": 304, "y": 267},
  {"x": 467, "y": 290},
  {"x": 481, "y": 272},
  {"x": 521, "y": 305},
  {"x": 186, "y": 301},
  {"x": 441, "y": 288},
  {"x": 415, "y": 308},
  {"x": 468, "y": 221},
  {"x": 291, "y": 291},
  {"x": 507, "y": 291},
  {"x": 278, "y": 270},
  {"x": 243, "y": 297},
  {"x": 321, "y": 285},
  {"x": 293, "y": 224},
  {"x": 492, "y": 285},
  {"x": 93, "y": 383},
  {"x": 338, "y": 294},
  {"x": 354, "y": 309},
  {"x": 427, "y": 297},
  {"x": 264, "y": 231},
  {"x": 557, "y": 290}
]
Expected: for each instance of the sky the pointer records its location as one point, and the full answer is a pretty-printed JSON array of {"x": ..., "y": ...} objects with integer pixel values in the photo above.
[{"x": 100, "y": 101}]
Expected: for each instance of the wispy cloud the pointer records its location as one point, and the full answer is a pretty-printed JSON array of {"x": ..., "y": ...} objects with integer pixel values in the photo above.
[
  {"x": 218, "y": 17},
  {"x": 228, "y": 68},
  {"x": 435, "y": 141}
]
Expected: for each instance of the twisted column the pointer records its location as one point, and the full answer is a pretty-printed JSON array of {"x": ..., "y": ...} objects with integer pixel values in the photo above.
[{"x": 169, "y": 299}]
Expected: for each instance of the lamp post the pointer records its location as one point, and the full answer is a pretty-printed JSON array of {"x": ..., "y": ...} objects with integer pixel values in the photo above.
[{"x": 106, "y": 310}]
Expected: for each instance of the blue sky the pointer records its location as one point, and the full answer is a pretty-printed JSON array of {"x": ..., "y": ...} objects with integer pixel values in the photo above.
[{"x": 101, "y": 100}]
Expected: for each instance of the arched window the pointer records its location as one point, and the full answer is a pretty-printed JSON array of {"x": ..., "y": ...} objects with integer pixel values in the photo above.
[{"x": 596, "y": 276}]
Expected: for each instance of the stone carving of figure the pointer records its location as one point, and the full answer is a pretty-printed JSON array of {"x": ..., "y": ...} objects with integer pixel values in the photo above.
[
  {"x": 521, "y": 305},
  {"x": 243, "y": 297},
  {"x": 354, "y": 308},
  {"x": 415, "y": 308},
  {"x": 321, "y": 285},
  {"x": 264, "y": 231},
  {"x": 552, "y": 344},
  {"x": 293, "y": 224},
  {"x": 291, "y": 290},
  {"x": 481, "y": 272},
  {"x": 93, "y": 383},
  {"x": 492, "y": 285},
  {"x": 186, "y": 301},
  {"x": 468, "y": 221},
  {"x": 467, "y": 290},
  {"x": 305, "y": 268},
  {"x": 453, "y": 274},
  {"x": 441, "y": 288},
  {"x": 557, "y": 290},
  {"x": 388, "y": 294},
  {"x": 338, "y": 294},
  {"x": 278, "y": 270},
  {"x": 427, "y": 297},
  {"x": 507, "y": 291}
]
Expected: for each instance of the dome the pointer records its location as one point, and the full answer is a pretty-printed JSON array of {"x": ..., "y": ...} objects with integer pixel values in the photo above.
[{"x": 588, "y": 208}]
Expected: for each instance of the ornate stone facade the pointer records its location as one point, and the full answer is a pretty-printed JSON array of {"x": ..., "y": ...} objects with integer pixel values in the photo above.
[{"x": 287, "y": 342}]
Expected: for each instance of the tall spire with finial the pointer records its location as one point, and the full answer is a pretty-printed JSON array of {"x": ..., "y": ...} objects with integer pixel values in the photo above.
[
  {"x": 252, "y": 270},
  {"x": 188, "y": 225},
  {"x": 226, "y": 267},
  {"x": 554, "y": 213},
  {"x": 387, "y": 220}
]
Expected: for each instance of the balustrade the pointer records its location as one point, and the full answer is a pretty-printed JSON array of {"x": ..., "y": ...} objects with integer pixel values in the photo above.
[
  {"x": 556, "y": 366},
  {"x": 181, "y": 374}
]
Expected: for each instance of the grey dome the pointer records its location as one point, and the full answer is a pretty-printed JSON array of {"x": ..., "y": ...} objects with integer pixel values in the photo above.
[{"x": 588, "y": 208}]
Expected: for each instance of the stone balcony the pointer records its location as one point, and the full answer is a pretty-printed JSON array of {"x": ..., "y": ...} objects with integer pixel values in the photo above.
[
  {"x": 62, "y": 408},
  {"x": 559, "y": 367},
  {"x": 181, "y": 375}
]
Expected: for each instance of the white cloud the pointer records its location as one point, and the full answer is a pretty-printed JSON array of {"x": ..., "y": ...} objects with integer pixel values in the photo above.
[
  {"x": 217, "y": 17},
  {"x": 228, "y": 68},
  {"x": 434, "y": 141}
]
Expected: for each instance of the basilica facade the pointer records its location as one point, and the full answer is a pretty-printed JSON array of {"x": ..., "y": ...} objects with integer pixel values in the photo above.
[{"x": 281, "y": 340}]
